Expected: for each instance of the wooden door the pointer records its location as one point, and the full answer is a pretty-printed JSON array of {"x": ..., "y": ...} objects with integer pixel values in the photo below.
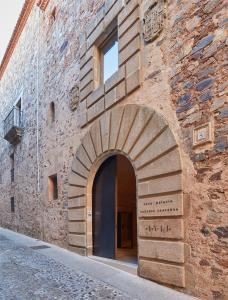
[{"x": 104, "y": 194}]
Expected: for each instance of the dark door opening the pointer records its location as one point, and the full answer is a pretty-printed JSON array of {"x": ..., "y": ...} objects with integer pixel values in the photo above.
[{"x": 114, "y": 210}]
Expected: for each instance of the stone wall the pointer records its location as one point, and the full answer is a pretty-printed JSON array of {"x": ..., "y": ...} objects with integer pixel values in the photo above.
[{"x": 182, "y": 77}]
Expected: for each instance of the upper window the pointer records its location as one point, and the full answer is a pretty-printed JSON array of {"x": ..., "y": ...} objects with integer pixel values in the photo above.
[
  {"x": 109, "y": 57},
  {"x": 52, "y": 112},
  {"x": 53, "y": 187}
]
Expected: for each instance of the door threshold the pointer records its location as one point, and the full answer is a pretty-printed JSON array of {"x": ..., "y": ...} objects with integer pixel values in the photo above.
[{"x": 118, "y": 264}]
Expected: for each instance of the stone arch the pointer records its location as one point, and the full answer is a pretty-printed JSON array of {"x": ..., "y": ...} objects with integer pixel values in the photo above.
[{"x": 142, "y": 135}]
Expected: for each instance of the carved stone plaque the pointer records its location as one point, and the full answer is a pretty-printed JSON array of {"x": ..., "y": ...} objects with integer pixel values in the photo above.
[
  {"x": 153, "y": 20},
  {"x": 166, "y": 228},
  {"x": 202, "y": 134},
  {"x": 74, "y": 97},
  {"x": 161, "y": 206}
]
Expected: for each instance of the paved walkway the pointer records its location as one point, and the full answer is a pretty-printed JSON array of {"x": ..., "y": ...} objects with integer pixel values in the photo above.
[{"x": 29, "y": 272}]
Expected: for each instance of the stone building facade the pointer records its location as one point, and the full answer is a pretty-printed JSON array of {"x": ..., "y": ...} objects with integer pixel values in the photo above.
[{"x": 164, "y": 110}]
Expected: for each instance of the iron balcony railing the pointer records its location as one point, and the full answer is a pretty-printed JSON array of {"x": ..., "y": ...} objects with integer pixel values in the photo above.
[{"x": 13, "y": 125}]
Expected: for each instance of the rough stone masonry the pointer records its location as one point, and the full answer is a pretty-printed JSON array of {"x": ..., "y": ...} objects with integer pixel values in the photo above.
[{"x": 165, "y": 109}]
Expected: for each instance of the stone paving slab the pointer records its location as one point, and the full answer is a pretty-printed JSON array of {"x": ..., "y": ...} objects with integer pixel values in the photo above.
[
  {"x": 25, "y": 274},
  {"x": 56, "y": 273}
]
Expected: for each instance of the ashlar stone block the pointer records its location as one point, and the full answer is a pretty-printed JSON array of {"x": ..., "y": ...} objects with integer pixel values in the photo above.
[
  {"x": 127, "y": 11},
  {"x": 159, "y": 206},
  {"x": 161, "y": 272},
  {"x": 162, "y": 250},
  {"x": 77, "y": 240},
  {"x": 161, "y": 228},
  {"x": 131, "y": 33},
  {"x": 131, "y": 49},
  {"x": 77, "y": 227},
  {"x": 133, "y": 82},
  {"x": 76, "y": 179},
  {"x": 76, "y": 202},
  {"x": 160, "y": 185},
  {"x": 128, "y": 22},
  {"x": 77, "y": 214}
]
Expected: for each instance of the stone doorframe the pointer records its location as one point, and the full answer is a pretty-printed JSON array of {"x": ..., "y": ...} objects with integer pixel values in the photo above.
[{"x": 144, "y": 137}]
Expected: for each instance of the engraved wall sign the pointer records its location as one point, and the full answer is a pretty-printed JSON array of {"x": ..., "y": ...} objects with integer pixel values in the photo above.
[
  {"x": 166, "y": 228},
  {"x": 202, "y": 134},
  {"x": 74, "y": 97},
  {"x": 153, "y": 20},
  {"x": 171, "y": 205}
]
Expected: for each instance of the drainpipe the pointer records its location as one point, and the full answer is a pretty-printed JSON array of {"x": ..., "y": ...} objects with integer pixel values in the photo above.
[{"x": 37, "y": 124}]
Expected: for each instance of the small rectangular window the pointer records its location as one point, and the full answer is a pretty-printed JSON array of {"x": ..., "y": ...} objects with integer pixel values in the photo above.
[
  {"x": 12, "y": 167},
  {"x": 109, "y": 57},
  {"x": 0, "y": 179},
  {"x": 53, "y": 187},
  {"x": 12, "y": 204}
]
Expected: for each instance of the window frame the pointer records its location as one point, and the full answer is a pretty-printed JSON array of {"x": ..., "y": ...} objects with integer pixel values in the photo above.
[
  {"x": 106, "y": 44},
  {"x": 53, "y": 191}
]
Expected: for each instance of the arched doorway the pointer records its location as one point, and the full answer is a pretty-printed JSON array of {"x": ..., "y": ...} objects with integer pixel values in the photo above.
[
  {"x": 144, "y": 137},
  {"x": 114, "y": 210}
]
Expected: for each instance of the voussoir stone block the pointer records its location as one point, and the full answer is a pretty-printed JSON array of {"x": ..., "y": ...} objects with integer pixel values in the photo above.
[
  {"x": 88, "y": 146},
  {"x": 116, "y": 117},
  {"x": 83, "y": 157},
  {"x": 165, "y": 142},
  {"x": 142, "y": 118},
  {"x": 166, "y": 164},
  {"x": 79, "y": 168},
  {"x": 153, "y": 128},
  {"x": 96, "y": 137},
  {"x": 127, "y": 121},
  {"x": 105, "y": 129}
]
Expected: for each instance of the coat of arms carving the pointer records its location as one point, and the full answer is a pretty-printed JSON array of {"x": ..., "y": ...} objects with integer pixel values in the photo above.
[{"x": 153, "y": 20}]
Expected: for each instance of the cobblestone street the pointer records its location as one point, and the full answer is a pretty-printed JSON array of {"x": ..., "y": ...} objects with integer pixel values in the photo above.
[
  {"x": 27, "y": 274},
  {"x": 31, "y": 269}
]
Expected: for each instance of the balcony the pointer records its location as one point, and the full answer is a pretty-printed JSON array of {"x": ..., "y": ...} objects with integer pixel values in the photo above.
[{"x": 13, "y": 126}]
